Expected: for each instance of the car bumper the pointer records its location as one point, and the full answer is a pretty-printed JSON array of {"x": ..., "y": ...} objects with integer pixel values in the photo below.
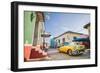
[{"x": 77, "y": 52}]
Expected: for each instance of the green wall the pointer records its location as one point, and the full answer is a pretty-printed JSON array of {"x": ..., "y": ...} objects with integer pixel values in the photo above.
[{"x": 29, "y": 24}]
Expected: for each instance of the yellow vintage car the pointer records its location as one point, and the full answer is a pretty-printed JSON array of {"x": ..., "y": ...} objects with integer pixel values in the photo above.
[{"x": 72, "y": 49}]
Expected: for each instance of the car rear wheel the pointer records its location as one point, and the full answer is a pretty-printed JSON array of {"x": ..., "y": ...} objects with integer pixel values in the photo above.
[{"x": 70, "y": 52}]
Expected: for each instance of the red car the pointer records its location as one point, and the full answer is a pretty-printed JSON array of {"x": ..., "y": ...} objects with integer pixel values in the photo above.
[{"x": 86, "y": 44}]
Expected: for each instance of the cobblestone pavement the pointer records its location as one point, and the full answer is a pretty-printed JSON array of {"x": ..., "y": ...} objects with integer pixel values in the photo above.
[{"x": 55, "y": 55}]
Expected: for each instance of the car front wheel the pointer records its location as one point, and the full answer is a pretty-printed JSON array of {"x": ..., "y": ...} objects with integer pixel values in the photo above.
[
  {"x": 76, "y": 52},
  {"x": 70, "y": 52}
]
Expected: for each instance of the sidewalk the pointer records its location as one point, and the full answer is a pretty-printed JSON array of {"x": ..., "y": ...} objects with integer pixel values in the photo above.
[{"x": 52, "y": 51}]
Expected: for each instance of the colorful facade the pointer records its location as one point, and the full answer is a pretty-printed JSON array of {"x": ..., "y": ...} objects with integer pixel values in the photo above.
[
  {"x": 33, "y": 28},
  {"x": 67, "y": 37},
  {"x": 87, "y": 26},
  {"x": 53, "y": 43}
]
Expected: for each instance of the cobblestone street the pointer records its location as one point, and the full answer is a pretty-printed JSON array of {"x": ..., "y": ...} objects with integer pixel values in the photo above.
[{"x": 55, "y": 55}]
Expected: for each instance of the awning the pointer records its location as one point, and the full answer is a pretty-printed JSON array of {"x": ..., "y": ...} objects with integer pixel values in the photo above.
[{"x": 82, "y": 39}]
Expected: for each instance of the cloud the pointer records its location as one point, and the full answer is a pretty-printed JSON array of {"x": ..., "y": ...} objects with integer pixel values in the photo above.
[{"x": 64, "y": 28}]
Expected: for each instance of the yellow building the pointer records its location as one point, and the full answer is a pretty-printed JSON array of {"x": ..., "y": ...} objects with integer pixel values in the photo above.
[
  {"x": 87, "y": 26},
  {"x": 66, "y": 37}
]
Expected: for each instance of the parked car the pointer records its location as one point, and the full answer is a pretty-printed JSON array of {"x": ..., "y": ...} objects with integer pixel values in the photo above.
[
  {"x": 72, "y": 49},
  {"x": 86, "y": 44},
  {"x": 65, "y": 43},
  {"x": 83, "y": 41}
]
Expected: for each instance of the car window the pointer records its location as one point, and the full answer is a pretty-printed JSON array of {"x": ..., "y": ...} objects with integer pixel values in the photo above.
[{"x": 72, "y": 43}]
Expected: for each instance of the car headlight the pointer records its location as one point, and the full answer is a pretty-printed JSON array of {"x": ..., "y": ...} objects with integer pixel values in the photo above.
[
  {"x": 74, "y": 48},
  {"x": 82, "y": 47}
]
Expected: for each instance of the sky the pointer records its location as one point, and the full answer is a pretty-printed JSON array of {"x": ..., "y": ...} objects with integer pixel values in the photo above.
[{"x": 57, "y": 23}]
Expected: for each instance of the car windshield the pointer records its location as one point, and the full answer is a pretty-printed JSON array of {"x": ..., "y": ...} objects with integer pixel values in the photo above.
[
  {"x": 66, "y": 43},
  {"x": 73, "y": 43}
]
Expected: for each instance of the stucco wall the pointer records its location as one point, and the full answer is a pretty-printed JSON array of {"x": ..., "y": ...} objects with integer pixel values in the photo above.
[
  {"x": 68, "y": 37},
  {"x": 29, "y": 25}
]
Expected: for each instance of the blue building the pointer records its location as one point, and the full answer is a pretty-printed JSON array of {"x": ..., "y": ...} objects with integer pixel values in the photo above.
[{"x": 53, "y": 43}]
